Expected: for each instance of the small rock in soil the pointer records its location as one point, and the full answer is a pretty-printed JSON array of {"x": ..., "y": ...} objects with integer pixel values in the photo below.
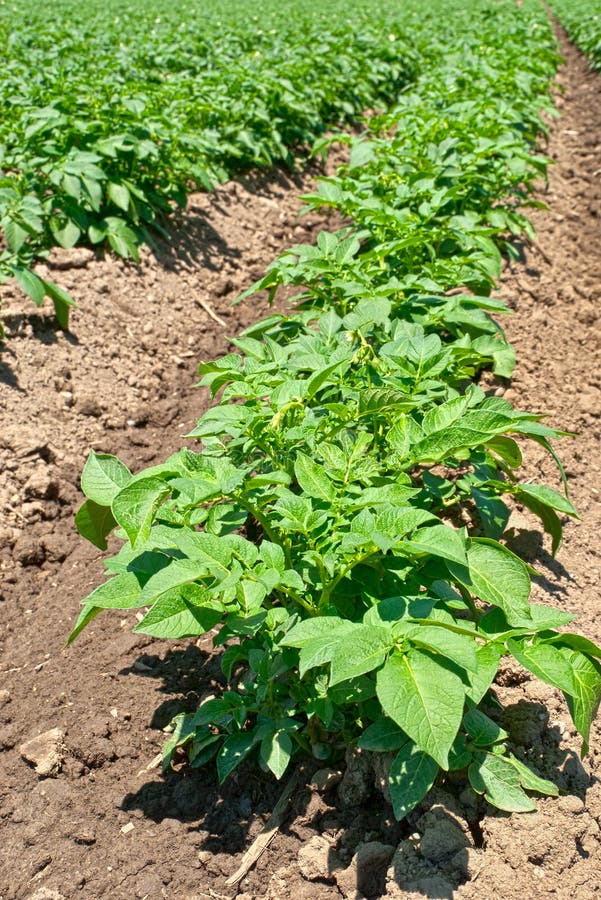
[
  {"x": 70, "y": 258},
  {"x": 4, "y": 697},
  {"x": 366, "y": 874},
  {"x": 84, "y": 837},
  {"x": 29, "y": 551},
  {"x": 45, "y": 893},
  {"x": 99, "y": 752},
  {"x": 41, "y": 484},
  {"x": 356, "y": 783},
  {"x": 55, "y": 547},
  {"x": 442, "y": 839},
  {"x": 325, "y": 779},
  {"x": 7, "y": 738},
  {"x": 45, "y": 752},
  {"x": 89, "y": 406},
  {"x": 315, "y": 859}
]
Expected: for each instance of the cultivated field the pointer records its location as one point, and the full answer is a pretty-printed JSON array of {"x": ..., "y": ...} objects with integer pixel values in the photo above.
[{"x": 324, "y": 625}]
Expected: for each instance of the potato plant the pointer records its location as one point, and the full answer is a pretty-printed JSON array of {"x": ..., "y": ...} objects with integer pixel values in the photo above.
[{"x": 341, "y": 524}]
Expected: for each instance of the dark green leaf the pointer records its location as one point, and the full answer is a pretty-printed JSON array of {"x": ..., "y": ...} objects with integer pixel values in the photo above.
[{"x": 412, "y": 774}]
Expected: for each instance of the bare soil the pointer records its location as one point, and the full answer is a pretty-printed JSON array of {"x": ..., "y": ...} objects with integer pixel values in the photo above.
[{"x": 108, "y": 825}]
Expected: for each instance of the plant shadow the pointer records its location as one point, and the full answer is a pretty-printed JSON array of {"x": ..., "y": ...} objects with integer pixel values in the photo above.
[
  {"x": 44, "y": 329},
  {"x": 191, "y": 239}
]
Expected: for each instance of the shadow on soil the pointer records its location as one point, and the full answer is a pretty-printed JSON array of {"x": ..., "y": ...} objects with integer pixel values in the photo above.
[
  {"x": 42, "y": 327},
  {"x": 191, "y": 239}
]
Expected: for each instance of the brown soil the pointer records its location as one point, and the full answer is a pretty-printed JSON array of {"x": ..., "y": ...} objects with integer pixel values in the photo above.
[{"x": 107, "y": 826}]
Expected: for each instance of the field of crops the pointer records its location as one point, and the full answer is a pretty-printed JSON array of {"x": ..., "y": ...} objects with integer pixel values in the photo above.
[
  {"x": 333, "y": 578},
  {"x": 110, "y": 119}
]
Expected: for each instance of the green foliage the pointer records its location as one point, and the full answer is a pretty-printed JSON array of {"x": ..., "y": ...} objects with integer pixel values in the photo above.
[
  {"x": 113, "y": 113},
  {"x": 342, "y": 520},
  {"x": 582, "y": 21}
]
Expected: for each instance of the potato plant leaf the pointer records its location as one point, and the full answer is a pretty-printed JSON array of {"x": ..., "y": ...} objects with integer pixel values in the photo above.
[
  {"x": 412, "y": 774},
  {"x": 424, "y": 698}
]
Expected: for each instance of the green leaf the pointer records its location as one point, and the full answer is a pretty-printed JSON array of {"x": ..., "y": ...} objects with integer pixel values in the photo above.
[
  {"x": 62, "y": 302},
  {"x": 382, "y": 736},
  {"x": 497, "y": 576},
  {"x": 30, "y": 283},
  {"x": 482, "y": 730},
  {"x": 488, "y": 658},
  {"x": 393, "y": 523},
  {"x": 94, "y": 523},
  {"x": 214, "y": 551},
  {"x": 577, "y": 642},
  {"x": 424, "y": 698},
  {"x": 323, "y": 376},
  {"x": 68, "y": 235},
  {"x": 499, "y": 781},
  {"x": 311, "y": 629},
  {"x": 545, "y": 661},
  {"x": 119, "y": 194},
  {"x": 276, "y": 752},
  {"x": 548, "y": 497},
  {"x": 411, "y": 776},
  {"x": 533, "y": 782},
  {"x": 135, "y": 505},
  {"x": 85, "y": 617},
  {"x": 493, "y": 513},
  {"x": 103, "y": 477},
  {"x": 312, "y": 478},
  {"x": 549, "y": 518},
  {"x": 457, "y": 647},
  {"x": 235, "y": 749},
  {"x": 507, "y": 449},
  {"x": 494, "y": 623},
  {"x": 357, "y": 690},
  {"x": 584, "y": 702},
  {"x": 121, "y": 592},
  {"x": 176, "y": 574},
  {"x": 15, "y": 235},
  {"x": 179, "y": 613},
  {"x": 440, "y": 540},
  {"x": 363, "y": 652}
]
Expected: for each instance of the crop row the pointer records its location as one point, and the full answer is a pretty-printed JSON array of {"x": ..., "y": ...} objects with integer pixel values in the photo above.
[
  {"x": 111, "y": 117},
  {"x": 342, "y": 523},
  {"x": 582, "y": 21}
]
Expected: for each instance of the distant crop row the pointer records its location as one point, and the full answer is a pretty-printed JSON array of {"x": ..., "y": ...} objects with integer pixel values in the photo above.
[
  {"x": 112, "y": 115},
  {"x": 342, "y": 523},
  {"x": 582, "y": 21}
]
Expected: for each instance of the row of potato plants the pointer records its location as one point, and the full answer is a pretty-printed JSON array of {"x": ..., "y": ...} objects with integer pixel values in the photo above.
[
  {"x": 341, "y": 527},
  {"x": 112, "y": 114},
  {"x": 582, "y": 21}
]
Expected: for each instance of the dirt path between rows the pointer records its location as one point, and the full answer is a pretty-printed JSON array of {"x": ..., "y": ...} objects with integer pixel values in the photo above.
[{"x": 121, "y": 382}]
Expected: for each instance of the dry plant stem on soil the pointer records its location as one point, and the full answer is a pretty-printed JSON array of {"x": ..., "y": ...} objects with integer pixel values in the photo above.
[
  {"x": 263, "y": 840},
  {"x": 47, "y": 834}
]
